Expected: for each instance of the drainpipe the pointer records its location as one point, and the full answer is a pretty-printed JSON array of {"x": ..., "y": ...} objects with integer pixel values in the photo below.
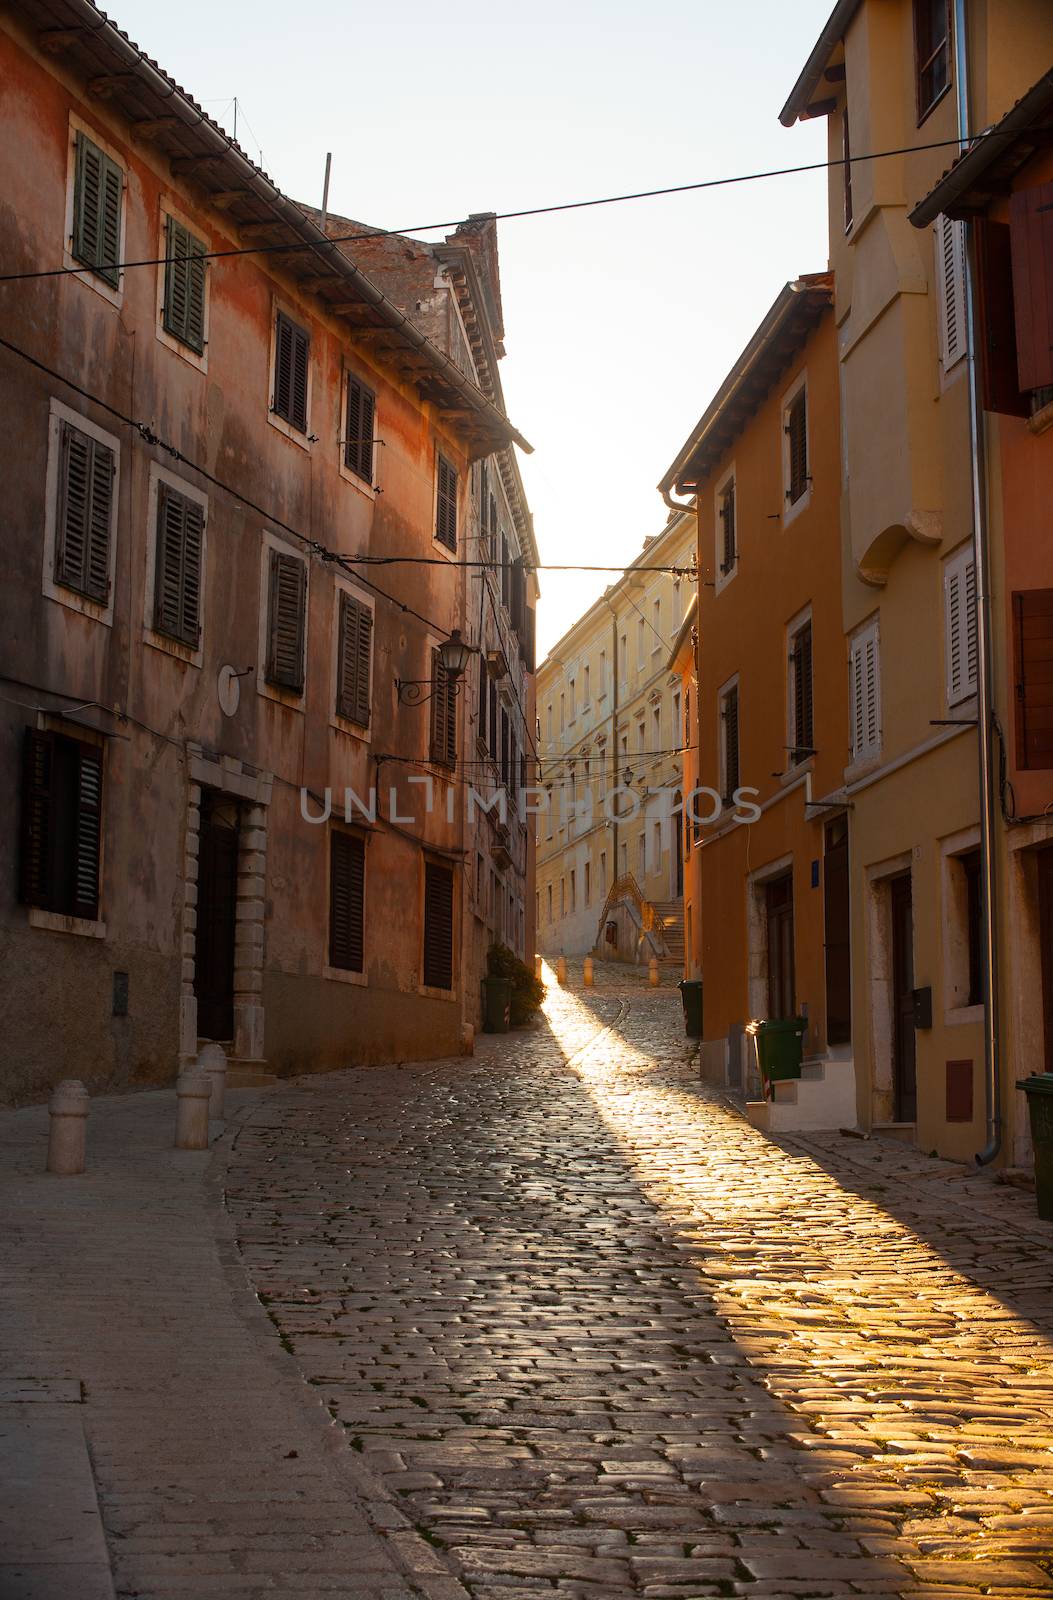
[{"x": 988, "y": 799}]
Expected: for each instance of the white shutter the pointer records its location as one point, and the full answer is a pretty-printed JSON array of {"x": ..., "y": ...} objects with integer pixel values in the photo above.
[
  {"x": 959, "y": 625},
  {"x": 950, "y": 289},
  {"x": 865, "y": 690}
]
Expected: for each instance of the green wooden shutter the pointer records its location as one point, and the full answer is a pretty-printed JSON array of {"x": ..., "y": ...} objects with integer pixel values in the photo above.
[
  {"x": 84, "y": 514},
  {"x": 184, "y": 304},
  {"x": 358, "y": 429},
  {"x": 87, "y": 832},
  {"x": 98, "y": 190},
  {"x": 347, "y": 862},
  {"x": 438, "y": 926},
  {"x": 354, "y": 652},
  {"x": 177, "y": 585},
  {"x": 287, "y": 621},
  {"x": 35, "y": 863}
]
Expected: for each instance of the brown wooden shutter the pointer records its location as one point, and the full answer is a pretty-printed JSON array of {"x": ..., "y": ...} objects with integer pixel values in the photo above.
[
  {"x": 1033, "y": 645},
  {"x": 797, "y": 432},
  {"x": 358, "y": 429},
  {"x": 802, "y": 694},
  {"x": 287, "y": 620},
  {"x": 731, "y": 742},
  {"x": 996, "y": 320},
  {"x": 443, "y": 715},
  {"x": 354, "y": 659},
  {"x": 292, "y": 353},
  {"x": 493, "y": 719},
  {"x": 35, "y": 864},
  {"x": 446, "y": 505},
  {"x": 1031, "y": 234},
  {"x": 483, "y": 700},
  {"x": 84, "y": 514},
  {"x": 347, "y": 874},
  {"x": 438, "y": 926},
  {"x": 727, "y": 518},
  {"x": 87, "y": 832},
  {"x": 177, "y": 574}
]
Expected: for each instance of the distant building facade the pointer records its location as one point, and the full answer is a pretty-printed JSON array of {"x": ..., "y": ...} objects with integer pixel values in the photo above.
[{"x": 610, "y": 842}]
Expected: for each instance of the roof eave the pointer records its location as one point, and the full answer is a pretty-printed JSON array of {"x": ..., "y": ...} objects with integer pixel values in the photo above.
[
  {"x": 803, "y": 90},
  {"x": 949, "y": 196}
]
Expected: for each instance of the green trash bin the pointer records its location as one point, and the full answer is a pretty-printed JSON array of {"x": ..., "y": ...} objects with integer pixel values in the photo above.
[
  {"x": 1039, "y": 1091},
  {"x": 779, "y": 1047},
  {"x": 691, "y": 995},
  {"x": 497, "y": 1004}
]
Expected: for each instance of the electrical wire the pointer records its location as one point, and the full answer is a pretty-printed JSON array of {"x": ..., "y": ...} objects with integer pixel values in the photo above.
[{"x": 507, "y": 216}]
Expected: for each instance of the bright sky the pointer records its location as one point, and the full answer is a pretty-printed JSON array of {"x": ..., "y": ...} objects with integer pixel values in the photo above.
[{"x": 621, "y": 321}]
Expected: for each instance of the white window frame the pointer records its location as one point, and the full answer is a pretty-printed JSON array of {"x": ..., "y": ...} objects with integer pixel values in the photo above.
[
  {"x": 285, "y": 307},
  {"x": 722, "y": 579},
  {"x": 868, "y": 750},
  {"x": 949, "y": 244},
  {"x": 161, "y": 641},
  {"x": 345, "y": 725},
  {"x": 57, "y": 415},
  {"x": 956, "y": 650},
  {"x": 274, "y": 691},
  {"x": 790, "y": 513},
  {"x": 82, "y": 273},
  {"x": 168, "y": 208}
]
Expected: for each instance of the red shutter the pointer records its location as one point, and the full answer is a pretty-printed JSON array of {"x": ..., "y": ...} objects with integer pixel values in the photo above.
[
  {"x": 1033, "y": 649},
  {"x": 996, "y": 320},
  {"x": 1031, "y": 230}
]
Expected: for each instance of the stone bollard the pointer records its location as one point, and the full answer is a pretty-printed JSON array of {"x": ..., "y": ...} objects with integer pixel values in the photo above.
[
  {"x": 537, "y": 967},
  {"x": 68, "y": 1128},
  {"x": 212, "y": 1060},
  {"x": 194, "y": 1091},
  {"x": 589, "y": 979},
  {"x": 652, "y": 972},
  {"x": 561, "y": 970}
]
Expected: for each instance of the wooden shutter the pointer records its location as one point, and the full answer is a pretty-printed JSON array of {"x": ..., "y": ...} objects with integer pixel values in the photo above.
[
  {"x": 996, "y": 320},
  {"x": 292, "y": 353},
  {"x": 802, "y": 694},
  {"x": 797, "y": 434},
  {"x": 358, "y": 429},
  {"x": 727, "y": 518},
  {"x": 493, "y": 719},
  {"x": 84, "y": 514},
  {"x": 184, "y": 304},
  {"x": 731, "y": 742},
  {"x": 347, "y": 877},
  {"x": 443, "y": 715},
  {"x": 35, "y": 863},
  {"x": 287, "y": 621},
  {"x": 1031, "y": 233},
  {"x": 177, "y": 574},
  {"x": 865, "y": 679},
  {"x": 98, "y": 189},
  {"x": 950, "y": 289},
  {"x": 438, "y": 926},
  {"x": 1033, "y": 649},
  {"x": 87, "y": 832},
  {"x": 483, "y": 699},
  {"x": 354, "y": 648},
  {"x": 960, "y": 633},
  {"x": 446, "y": 505}
]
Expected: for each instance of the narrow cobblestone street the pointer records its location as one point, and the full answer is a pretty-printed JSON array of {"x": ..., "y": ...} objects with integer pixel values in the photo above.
[{"x": 599, "y": 1337}]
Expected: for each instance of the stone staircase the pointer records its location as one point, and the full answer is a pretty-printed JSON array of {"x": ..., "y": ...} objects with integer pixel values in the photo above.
[
  {"x": 669, "y": 915},
  {"x": 824, "y": 1096}
]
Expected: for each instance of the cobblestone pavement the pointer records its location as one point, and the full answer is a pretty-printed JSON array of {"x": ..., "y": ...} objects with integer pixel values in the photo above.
[{"x": 601, "y": 1338}]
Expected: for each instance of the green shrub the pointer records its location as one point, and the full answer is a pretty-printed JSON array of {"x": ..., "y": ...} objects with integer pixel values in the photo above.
[{"x": 527, "y": 991}]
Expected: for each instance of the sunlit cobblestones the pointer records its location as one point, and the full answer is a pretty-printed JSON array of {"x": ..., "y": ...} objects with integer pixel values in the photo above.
[{"x": 602, "y": 1338}]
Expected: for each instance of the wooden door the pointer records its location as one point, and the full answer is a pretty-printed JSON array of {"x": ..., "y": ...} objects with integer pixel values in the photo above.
[
  {"x": 1045, "y": 910},
  {"x": 904, "y": 1067},
  {"x": 837, "y": 932},
  {"x": 782, "y": 982},
  {"x": 216, "y": 916}
]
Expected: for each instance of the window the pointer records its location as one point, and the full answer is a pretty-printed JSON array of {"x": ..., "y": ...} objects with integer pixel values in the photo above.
[
  {"x": 796, "y": 428},
  {"x": 177, "y": 565},
  {"x": 641, "y": 735},
  {"x": 443, "y": 745},
  {"x": 562, "y": 897},
  {"x": 728, "y": 530},
  {"x": 656, "y": 626},
  {"x": 846, "y": 152},
  {"x": 602, "y": 675},
  {"x": 548, "y": 721},
  {"x": 959, "y": 625},
  {"x": 292, "y": 356},
  {"x": 588, "y": 883},
  {"x": 183, "y": 311},
  {"x": 1032, "y": 654},
  {"x": 729, "y": 742},
  {"x": 865, "y": 693},
  {"x": 61, "y": 825},
  {"x": 778, "y": 906},
  {"x": 969, "y": 864},
  {"x": 603, "y": 873},
  {"x": 438, "y": 926},
  {"x": 286, "y": 621},
  {"x": 677, "y": 730},
  {"x": 585, "y": 689},
  {"x": 950, "y": 290},
  {"x": 641, "y": 855},
  {"x": 641, "y": 628},
  {"x": 480, "y": 726},
  {"x": 573, "y": 889},
  {"x": 625, "y": 858},
  {"x": 801, "y": 718},
  {"x": 656, "y": 725},
  {"x": 98, "y": 192},
  {"x": 359, "y": 417},
  {"x": 562, "y": 712},
  {"x": 353, "y": 661},
  {"x": 573, "y": 698},
  {"x": 656, "y": 846},
  {"x": 932, "y": 52},
  {"x": 446, "y": 504},
  {"x": 347, "y": 874},
  {"x": 85, "y": 513},
  {"x": 549, "y": 901},
  {"x": 678, "y": 603}
]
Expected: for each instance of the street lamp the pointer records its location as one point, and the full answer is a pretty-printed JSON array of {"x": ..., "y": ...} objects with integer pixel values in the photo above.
[{"x": 454, "y": 655}]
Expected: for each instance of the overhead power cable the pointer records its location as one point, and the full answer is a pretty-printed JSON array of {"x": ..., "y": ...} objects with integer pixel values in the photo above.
[{"x": 508, "y": 216}]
